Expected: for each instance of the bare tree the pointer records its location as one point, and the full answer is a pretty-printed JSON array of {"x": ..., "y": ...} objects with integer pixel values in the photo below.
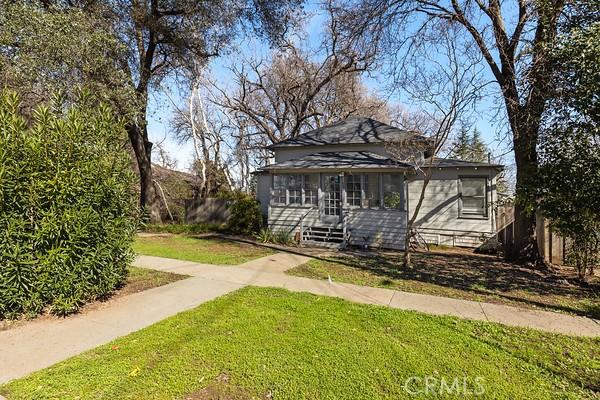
[
  {"x": 447, "y": 91},
  {"x": 206, "y": 130},
  {"x": 513, "y": 38},
  {"x": 291, "y": 92}
]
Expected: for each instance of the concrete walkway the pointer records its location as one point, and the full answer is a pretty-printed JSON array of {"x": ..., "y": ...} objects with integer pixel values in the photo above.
[
  {"x": 39, "y": 344},
  {"x": 259, "y": 273}
]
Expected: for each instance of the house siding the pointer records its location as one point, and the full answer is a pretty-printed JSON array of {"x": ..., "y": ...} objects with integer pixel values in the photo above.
[
  {"x": 287, "y": 218},
  {"x": 263, "y": 191},
  {"x": 377, "y": 228},
  {"x": 438, "y": 221}
]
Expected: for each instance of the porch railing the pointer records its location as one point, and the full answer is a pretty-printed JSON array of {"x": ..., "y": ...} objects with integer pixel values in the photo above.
[{"x": 302, "y": 224}]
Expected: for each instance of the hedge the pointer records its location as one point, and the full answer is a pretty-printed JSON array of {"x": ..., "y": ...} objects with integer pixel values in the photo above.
[{"x": 67, "y": 208}]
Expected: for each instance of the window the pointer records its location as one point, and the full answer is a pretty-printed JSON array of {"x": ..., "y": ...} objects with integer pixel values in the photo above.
[
  {"x": 311, "y": 189},
  {"x": 278, "y": 194},
  {"x": 353, "y": 190},
  {"x": 393, "y": 191},
  {"x": 294, "y": 186},
  {"x": 371, "y": 191},
  {"x": 473, "y": 198}
]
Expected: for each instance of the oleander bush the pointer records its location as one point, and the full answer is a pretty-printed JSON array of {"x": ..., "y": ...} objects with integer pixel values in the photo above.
[{"x": 67, "y": 208}]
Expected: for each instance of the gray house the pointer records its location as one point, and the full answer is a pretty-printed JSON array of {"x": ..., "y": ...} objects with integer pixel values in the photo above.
[{"x": 338, "y": 184}]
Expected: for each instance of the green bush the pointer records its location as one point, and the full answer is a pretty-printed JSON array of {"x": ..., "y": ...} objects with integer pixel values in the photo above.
[
  {"x": 265, "y": 235},
  {"x": 246, "y": 217},
  {"x": 67, "y": 209}
]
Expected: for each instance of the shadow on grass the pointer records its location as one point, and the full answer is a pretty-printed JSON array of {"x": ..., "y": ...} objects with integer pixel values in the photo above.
[
  {"x": 484, "y": 275},
  {"x": 474, "y": 274}
]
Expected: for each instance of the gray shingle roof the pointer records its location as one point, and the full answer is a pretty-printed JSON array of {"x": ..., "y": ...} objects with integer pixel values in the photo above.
[
  {"x": 455, "y": 163},
  {"x": 364, "y": 160},
  {"x": 339, "y": 160},
  {"x": 352, "y": 130}
]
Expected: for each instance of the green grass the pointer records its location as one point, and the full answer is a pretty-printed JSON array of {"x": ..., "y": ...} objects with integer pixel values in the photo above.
[
  {"x": 202, "y": 250},
  {"x": 462, "y": 275},
  {"x": 271, "y": 343}
]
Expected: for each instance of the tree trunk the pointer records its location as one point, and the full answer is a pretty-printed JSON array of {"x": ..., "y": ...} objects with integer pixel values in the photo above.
[
  {"x": 525, "y": 128},
  {"x": 142, "y": 147}
]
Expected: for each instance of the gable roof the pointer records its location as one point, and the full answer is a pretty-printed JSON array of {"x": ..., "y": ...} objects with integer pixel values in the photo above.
[{"x": 352, "y": 130}]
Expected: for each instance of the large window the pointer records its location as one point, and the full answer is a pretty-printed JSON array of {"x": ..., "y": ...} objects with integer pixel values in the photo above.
[
  {"x": 393, "y": 197},
  {"x": 472, "y": 197},
  {"x": 294, "y": 186},
  {"x": 353, "y": 190},
  {"x": 371, "y": 191},
  {"x": 311, "y": 189},
  {"x": 279, "y": 194}
]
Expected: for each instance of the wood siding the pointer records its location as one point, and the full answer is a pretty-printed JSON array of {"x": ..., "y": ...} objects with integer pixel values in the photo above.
[
  {"x": 377, "y": 228},
  {"x": 287, "y": 218},
  {"x": 438, "y": 221}
]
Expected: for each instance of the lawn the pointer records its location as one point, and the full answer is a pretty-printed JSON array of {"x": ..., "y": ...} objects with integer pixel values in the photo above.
[
  {"x": 270, "y": 343},
  {"x": 464, "y": 275},
  {"x": 207, "y": 250}
]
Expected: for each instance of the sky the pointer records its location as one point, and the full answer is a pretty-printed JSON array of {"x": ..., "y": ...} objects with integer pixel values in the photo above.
[{"x": 160, "y": 109}]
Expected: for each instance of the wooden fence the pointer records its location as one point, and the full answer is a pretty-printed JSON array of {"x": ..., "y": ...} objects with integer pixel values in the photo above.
[
  {"x": 209, "y": 210},
  {"x": 551, "y": 245}
]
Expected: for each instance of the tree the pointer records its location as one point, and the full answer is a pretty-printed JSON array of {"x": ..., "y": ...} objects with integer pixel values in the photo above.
[
  {"x": 461, "y": 146},
  {"x": 39, "y": 58},
  {"x": 296, "y": 90},
  {"x": 569, "y": 174},
  {"x": 160, "y": 37},
  {"x": 447, "y": 91},
  {"x": 479, "y": 150},
  {"x": 514, "y": 49}
]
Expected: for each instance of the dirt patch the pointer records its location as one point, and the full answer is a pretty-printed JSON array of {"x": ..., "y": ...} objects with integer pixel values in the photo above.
[{"x": 223, "y": 389}]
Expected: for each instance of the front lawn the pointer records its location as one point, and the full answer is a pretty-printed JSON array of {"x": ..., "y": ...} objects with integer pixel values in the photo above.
[
  {"x": 464, "y": 275},
  {"x": 205, "y": 250},
  {"x": 271, "y": 343}
]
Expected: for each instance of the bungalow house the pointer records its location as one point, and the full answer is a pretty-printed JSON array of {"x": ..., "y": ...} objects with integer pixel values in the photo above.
[{"x": 338, "y": 184}]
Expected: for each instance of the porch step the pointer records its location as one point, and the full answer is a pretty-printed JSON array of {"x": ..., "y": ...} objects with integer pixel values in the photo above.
[
  {"x": 329, "y": 245},
  {"x": 324, "y": 236}
]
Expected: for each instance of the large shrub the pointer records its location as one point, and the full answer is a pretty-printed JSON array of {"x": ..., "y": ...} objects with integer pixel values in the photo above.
[
  {"x": 67, "y": 215},
  {"x": 246, "y": 217}
]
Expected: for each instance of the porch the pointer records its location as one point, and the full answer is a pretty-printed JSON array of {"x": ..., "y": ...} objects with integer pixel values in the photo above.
[{"x": 336, "y": 208}]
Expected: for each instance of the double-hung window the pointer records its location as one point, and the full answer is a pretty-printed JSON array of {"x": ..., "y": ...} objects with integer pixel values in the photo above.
[
  {"x": 393, "y": 196},
  {"x": 473, "y": 197},
  {"x": 311, "y": 189},
  {"x": 371, "y": 191},
  {"x": 353, "y": 190},
  {"x": 294, "y": 186},
  {"x": 278, "y": 194}
]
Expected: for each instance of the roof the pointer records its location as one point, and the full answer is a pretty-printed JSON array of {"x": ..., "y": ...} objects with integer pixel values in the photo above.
[
  {"x": 339, "y": 160},
  {"x": 365, "y": 160},
  {"x": 352, "y": 130},
  {"x": 455, "y": 163}
]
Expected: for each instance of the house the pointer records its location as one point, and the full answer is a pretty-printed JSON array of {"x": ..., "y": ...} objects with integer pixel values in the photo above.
[{"x": 339, "y": 184}]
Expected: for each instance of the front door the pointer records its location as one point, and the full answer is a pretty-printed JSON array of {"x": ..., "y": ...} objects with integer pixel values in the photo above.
[{"x": 332, "y": 198}]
